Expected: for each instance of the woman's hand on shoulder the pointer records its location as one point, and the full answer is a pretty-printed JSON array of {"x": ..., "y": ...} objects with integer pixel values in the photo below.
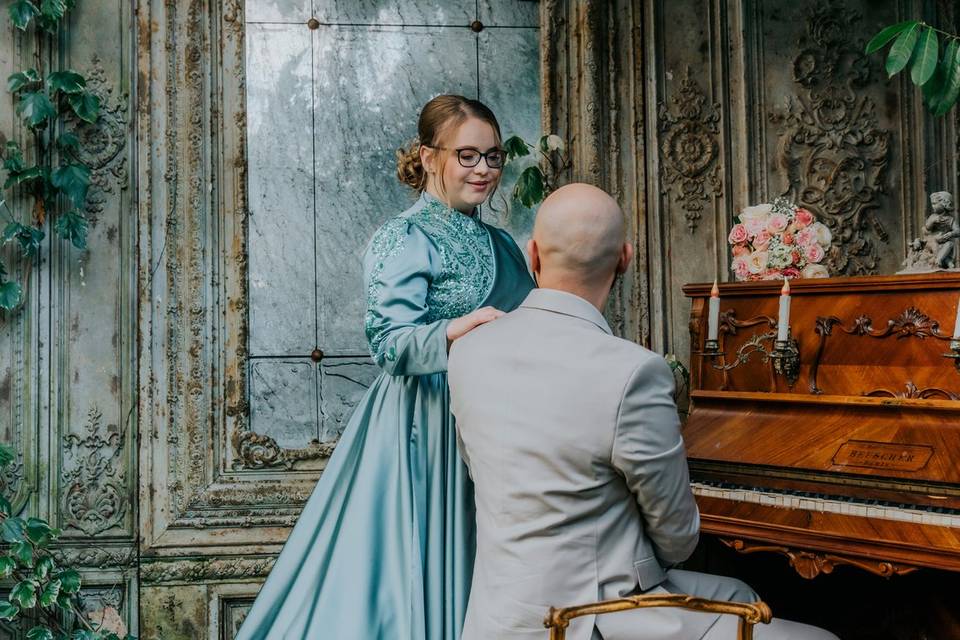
[{"x": 459, "y": 327}]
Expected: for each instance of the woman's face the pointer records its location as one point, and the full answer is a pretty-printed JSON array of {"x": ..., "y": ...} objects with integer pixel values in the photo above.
[{"x": 467, "y": 187}]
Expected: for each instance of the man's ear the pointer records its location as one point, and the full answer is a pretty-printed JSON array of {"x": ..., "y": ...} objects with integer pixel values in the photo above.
[
  {"x": 534, "y": 252},
  {"x": 626, "y": 257}
]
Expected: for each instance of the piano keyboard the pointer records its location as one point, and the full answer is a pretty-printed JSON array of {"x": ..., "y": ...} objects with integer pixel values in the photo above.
[{"x": 830, "y": 504}]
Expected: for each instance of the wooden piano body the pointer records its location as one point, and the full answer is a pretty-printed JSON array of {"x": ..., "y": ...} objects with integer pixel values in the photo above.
[{"x": 858, "y": 461}]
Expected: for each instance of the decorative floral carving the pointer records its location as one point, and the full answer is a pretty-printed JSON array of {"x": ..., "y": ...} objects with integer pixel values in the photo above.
[
  {"x": 914, "y": 393},
  {"x": 196, "y": 571},
  {"x": 832, "y": 152},
  {"x": 910, "y": 322},
  {"x": 258, "y": 451},
  {"x": 93, "y": 478},
  {"x": 690, "y": 149},
  {"x": 102, "y": 144},
  {"x": 810, "y": 564}
]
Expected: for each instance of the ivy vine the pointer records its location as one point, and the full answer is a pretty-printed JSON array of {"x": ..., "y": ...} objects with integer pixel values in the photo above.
[{"x": 44, "y": 177}]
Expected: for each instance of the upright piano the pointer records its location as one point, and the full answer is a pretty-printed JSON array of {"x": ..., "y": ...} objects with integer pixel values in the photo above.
[{"x": 840, "y": 445}]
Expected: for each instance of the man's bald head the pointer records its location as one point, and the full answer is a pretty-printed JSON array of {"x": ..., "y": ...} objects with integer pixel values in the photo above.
[{"x": 579, "y": 235}]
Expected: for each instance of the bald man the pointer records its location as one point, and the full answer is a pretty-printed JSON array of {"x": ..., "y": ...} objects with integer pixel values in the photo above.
[{"x": 572, "y": 439}]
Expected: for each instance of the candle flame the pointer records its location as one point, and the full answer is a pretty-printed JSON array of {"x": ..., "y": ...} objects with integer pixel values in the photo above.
[
  {"x": 715, "y": 292},
  {"x": 785, "y": 291}
]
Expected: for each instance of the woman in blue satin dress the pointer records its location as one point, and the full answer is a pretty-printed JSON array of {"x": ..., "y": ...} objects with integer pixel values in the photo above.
[{"x": 384, "y": 547}]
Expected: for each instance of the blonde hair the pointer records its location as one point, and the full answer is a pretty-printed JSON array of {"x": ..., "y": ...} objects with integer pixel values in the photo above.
[{"x": 438, "y": 118}]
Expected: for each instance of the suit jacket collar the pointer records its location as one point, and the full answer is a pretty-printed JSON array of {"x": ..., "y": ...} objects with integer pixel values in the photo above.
[{"x": 568, "y": 304}]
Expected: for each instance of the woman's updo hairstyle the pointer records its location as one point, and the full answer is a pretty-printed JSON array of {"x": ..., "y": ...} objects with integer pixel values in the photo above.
[{"x": 438, "y": 118}]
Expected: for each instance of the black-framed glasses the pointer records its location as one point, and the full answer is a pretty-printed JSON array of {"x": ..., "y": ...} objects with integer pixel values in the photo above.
[{"x": 468, "y": 157}]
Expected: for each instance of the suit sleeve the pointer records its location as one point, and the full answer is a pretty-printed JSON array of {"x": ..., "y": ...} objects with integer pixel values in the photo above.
[
  {"x": 400, "y": 263},
  {"x": 649, "y": 451}
]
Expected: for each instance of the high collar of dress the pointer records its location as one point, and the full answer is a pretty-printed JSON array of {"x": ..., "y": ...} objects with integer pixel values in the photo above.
[
  {"x": 566, "y": 303},
  {"x": 427, "y": 198}
]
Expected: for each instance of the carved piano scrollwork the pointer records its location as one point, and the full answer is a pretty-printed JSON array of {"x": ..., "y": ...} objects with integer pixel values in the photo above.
[
  {"x": 912, "y": 322},
  {"x": 810, "y": 564},
  {"x": 728, "y": 326}
]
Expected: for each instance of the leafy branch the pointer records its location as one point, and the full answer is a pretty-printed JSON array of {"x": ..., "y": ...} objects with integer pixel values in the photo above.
[
  {"x": 533, "y": 184},
  {"x": 48, "y": 170},
  {"x": 916, "y": 43},
  {"x": 42, "y": 591}
]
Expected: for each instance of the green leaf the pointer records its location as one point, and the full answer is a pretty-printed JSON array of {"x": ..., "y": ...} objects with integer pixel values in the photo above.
[
  {"x": 50, "y": 593},
  {"x": 902, "y": 49},
  {"x": 24, "y": 594},
  {"x": 7, "y": 453},
  {"x": 53, "y": 9},
  {"x": 9, "y": 295},
  {"x": 515, "y": 147},
  {"x": 44, "y": 568},
  {"x": 19, "y": 80},
  {"x": 21, "y": 12},
  {"x": 40, "y": 633},
  {"x": 85, "y": 105},
  {"x": 13, "y": 160},
  {"x": 72, "y": 179},
  {"x": 6, "y": 509},
  {"x": 8, "y": 611},
  {"x": 925, "y": 57},
  {"x": 888, "y": 34},
  {"x": 40, "y": 533},
  {"x": 530, "y": 189},
  {"x": 28, "y": 237},
  {"x": 35, "y": 107},
  {"x": 950, "y": 68},
  {"x": 23, "y": 176},
  {"x": 73, "y": 226},
  {"x": 7, "y": 565},
  {"x": 68, "y": 141},
  {"x": 83, "y": 634},
  {"x": 22, "y": 552},
  {"x": 69, "y": 581},
  {"x": 12, "y": 530},
  {"x": 66, "y": 81}
]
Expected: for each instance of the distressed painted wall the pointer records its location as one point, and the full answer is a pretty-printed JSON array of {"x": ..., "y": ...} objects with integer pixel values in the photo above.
[{"x": 67, "y": 358}]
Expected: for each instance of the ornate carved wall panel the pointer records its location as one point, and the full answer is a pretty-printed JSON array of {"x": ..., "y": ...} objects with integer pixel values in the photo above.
[
  {"x": 67, "y": 374},
  {"x": 744, "y": 101}
]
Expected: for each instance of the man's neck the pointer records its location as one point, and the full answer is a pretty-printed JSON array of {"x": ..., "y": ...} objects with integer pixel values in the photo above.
[{"x": 597, "y": 296}]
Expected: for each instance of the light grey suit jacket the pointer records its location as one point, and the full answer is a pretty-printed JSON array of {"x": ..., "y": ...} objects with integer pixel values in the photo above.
[{"x": 572, "y": 439}]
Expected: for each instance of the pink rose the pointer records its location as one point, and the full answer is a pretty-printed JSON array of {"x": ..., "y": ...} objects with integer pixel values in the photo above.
[
  {"x": 755, "y": 226},
  {"x": 791, "y": 272},
  {"x": 813, "y": 253},
  {"x": 806, "y": 237},
  {"x": 762, "y": 239},
  {"x": 740, "y": 268},
  {"x": 777, "y": 223},
  {"x": 803, "y": 218},
  {"x": 738, "y": 234},
  {"x": 787, "y": 238},
  {"x": 771, "y": 274},
  {"x": 740, "y": 250},
  {"x": 824, "y": 237}
]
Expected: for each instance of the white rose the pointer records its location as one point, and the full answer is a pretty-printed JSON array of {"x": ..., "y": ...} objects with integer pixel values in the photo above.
[
  {"x": 815, "y": 271},
  {"x": 757, "y": 262},
  {"x": 824, "y": 237},
  {"x": 756, "y": 212},
  {"x": 553, "y": 142}
]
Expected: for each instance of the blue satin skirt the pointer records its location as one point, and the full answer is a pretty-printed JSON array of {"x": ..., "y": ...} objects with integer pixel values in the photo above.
[{"x": 385, "y": 545}]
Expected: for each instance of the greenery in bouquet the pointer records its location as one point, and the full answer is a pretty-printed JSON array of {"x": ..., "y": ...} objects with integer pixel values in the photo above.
[{"x": 779, "y": 240}]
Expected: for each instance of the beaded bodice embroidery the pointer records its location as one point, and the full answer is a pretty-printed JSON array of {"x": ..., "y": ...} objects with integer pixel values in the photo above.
[{"x": 466, "y": 270}]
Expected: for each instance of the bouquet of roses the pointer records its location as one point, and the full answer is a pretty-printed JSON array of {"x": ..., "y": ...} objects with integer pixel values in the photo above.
[{"x": 779, "y": 240}]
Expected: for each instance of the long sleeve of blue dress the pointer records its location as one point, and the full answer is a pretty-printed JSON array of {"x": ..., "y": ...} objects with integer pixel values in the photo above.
[{"x": 399, "y": 266}]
